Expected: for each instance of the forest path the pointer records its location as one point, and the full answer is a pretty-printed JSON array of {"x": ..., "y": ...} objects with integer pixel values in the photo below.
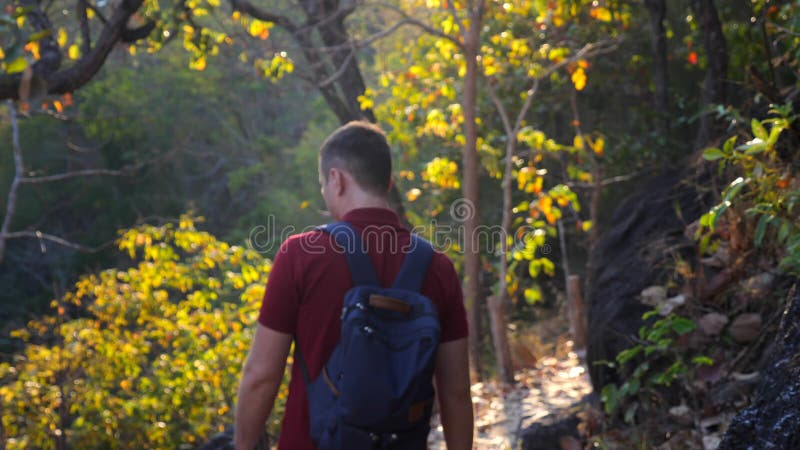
[{"x": 502, "y": 411}]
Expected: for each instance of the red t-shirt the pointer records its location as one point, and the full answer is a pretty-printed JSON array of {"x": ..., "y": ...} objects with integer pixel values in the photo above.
[{"x": 306, "y": 289}]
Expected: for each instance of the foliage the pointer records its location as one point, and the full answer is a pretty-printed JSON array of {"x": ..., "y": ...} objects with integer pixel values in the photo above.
[
  {"x": 143, "y": 357},
  {"x": 658, "y": 363},
  {"x": 766, "y": 194}
]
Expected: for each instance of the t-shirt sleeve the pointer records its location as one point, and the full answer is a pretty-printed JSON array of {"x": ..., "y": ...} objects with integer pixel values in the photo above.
[
  {"x": 452, "y": 313},
  {"x": 281, "y": 302}
]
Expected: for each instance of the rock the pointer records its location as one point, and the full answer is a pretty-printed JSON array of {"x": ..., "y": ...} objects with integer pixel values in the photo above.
[
  {"x": 711, "y": 442},
  {"x": 746, "y": 328},
  {"x": 640, "y": 238},
  {"x": 754, "y": 289},
  {"x": 720, "y": 258},
  {"x": 773, "y": 419},
  {"x": 758, "y": 286},
  {"x": 654, "y": 296},
  {"x": 570, "y": 443},
  {"x": 670, "y": 304},
  {"x": 712, "y": 323},
  {"x": 549, "y": 432}
]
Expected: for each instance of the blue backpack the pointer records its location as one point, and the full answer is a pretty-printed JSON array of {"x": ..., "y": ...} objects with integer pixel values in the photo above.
[{"x": 375, "y": 391}]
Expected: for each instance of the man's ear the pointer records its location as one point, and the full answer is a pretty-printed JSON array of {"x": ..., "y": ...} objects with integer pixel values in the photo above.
[{"x": 338, "y": 181}]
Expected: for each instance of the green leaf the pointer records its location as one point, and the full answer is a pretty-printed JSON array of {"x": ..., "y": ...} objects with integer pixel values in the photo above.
[
  {"x": 641, "y": 370},
  {"x": 630, "y": 413},
  {"x": 610, "y": 398},
  {"x": 707, "y": 219},
  {"x": 728, "y": 146},
  {"x": 682, "y": 325},
  {"x": 758, "y": 129},
  {"x": 774, "y": 134},
  {"x": 755, "y": 148},
  {"x": 628, "y": 354},
  {"x": 39, "y": 35},
  {"x": 734, "y": 188},
  {"x": 533, "y": 295},
  {"x": 761, "y": 229},
  {"x": 534, "y": 267},
  {"x": 713, "y": 154},
  {"x": 702, "y": 361},
  {"x": 783, "y": 233},
  {"x": 23, "y": 10},
  {"x": 649, "y": 314}
]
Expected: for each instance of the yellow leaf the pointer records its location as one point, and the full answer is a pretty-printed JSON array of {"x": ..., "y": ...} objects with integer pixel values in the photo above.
[
  {"x": 74, "y": 52},
  {"x": 214, "y": 3},
  {"x": 90, "y": 14},
  {"x": 599, "y": 145},
  {"x": 577, "y": 142},
  {"x": 59, "y": 107},
  {"x": 258, "y": 29},
  {"x": 16, "y": 66},
  {"x": 33, "y": 47},
  {"x": 413, "y": 194},
  {"x": 304, "y": 204},
  {"x": 579, "y": 79},
  {"x": 132, "y": 50},
  {"x": 198, "y": 64},
  {"x": 62, "y": 37},
  {"x": 587, "y": 225},
  {"x": 600, "y": 13},
  {"x": 2, "y": 53}
]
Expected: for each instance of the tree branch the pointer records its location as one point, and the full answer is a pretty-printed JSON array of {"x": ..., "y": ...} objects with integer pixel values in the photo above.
[
  {"x": 608, "y": 181},
  {"x": 84, "y": 19},
  {"x": 72, "y": 78},
  {"x": 342, "y": 68},
  {"x": 75, "y": 174},
  {"x": 52, "y": 238},
  {"x": 97, "y": 12},
  {"x": 11, "y": 203},
  {"x": 244, "y": 6},
  {"x": 424, "y": 26}
]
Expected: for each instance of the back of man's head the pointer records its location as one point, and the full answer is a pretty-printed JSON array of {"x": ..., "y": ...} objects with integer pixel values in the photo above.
[{"x": 361, "y": 149}]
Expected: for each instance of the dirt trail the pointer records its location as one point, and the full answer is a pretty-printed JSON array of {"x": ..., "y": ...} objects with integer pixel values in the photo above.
[{"x": 553, "y": 384}]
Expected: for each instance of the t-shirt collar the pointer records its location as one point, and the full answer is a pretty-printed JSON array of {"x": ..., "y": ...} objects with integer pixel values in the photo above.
[{"x": 372, "y": 215}]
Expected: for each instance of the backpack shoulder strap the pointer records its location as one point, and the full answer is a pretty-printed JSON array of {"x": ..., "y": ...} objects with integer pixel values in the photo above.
[
  {"x": 415, "y": 265},
  {"x": 349, "y": 240}
]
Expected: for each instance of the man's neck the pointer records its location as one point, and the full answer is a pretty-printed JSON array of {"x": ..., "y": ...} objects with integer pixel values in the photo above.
[{"x": 365, "y": 202}]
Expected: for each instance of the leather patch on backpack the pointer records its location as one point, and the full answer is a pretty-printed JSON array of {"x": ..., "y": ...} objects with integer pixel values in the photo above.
[
  {"x": 417, "y": 411},
  {"x": 392, "y": 304}
]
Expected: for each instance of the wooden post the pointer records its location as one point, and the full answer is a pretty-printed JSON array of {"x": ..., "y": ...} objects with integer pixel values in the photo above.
[
  {"x": 501, "y": 348},
  {"x": 576, "y": 312}
]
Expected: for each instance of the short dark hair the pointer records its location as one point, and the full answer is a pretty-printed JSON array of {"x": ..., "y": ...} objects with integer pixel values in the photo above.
[{"x": 360, "y": 148}]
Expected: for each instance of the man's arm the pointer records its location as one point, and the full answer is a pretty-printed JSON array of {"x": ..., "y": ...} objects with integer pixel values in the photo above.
[
  {"x": 261, "y": 377},
  {"x": 453, "y": 390}
]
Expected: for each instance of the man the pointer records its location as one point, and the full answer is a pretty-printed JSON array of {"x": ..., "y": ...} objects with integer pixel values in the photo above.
[{"x": 307, "y": 284}]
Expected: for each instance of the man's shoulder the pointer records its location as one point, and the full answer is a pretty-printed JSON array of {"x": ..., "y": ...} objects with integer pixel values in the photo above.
[
  {"x": 441, "y": 267},
  {"x": 307, "y": 243}
]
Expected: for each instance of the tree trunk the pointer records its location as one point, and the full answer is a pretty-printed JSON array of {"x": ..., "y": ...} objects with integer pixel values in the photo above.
[
  {"x": 717, "y": 71},
  {"x": 576, "y": 312},
  {"x": 471, "y": 189},
  {"x": 497, "y": 316},
  {"x": 658, "y": 44},
  {"x": 498, "y": 303},
  {"x": 339, "y": 78}
]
